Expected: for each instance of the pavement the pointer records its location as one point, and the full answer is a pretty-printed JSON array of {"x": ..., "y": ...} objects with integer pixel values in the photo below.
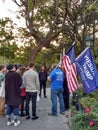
[{"x": 45, "y": 122}]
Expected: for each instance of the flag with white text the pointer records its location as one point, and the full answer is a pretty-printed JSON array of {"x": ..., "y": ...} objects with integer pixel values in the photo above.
[{"x": 87, "y": 70}]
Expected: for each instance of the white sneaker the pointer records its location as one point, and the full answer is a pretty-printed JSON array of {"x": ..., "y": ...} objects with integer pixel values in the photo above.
[
  {"x": 16, "y": 123},
  {"x": 10, "y": 122}
]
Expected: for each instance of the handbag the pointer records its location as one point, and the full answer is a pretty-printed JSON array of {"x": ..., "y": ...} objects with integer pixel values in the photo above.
[
  {"x": 2, "y": 99},
  {"x": 38, "y": 97},
  {"x": 23, "y": 92},
  {"x": 2, "y": 89}
]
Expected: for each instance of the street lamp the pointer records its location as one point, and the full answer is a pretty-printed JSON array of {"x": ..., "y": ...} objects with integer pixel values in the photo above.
[{"x": 89, "y": 41}]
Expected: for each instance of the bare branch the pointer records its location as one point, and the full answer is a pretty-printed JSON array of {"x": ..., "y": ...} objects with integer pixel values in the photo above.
[
  {"x": 55, "y": 35},
  {"x": 29, "y": 22},
  {"x": 49, "y": 36},
  {"x": 32, "y": 12},
  {"x": 15, "y": 1},
  {"x": 56, "y": 12}
]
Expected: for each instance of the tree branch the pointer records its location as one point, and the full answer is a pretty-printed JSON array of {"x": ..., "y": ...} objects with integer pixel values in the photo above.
[
  {"x": 49, "y": 36},
  {"x": 15, "y": 1},
  {"x": 29, "y": 22}
]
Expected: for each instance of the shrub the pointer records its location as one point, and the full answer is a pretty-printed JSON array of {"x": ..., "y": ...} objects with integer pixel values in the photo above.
[{"x": 85, "y": 120}]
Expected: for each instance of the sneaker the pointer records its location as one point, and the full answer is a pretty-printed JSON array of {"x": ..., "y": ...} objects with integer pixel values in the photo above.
[
  {"x": 62, "y": 113},
  {"x": 45, "y": 97},
  {"x": 40, "y": 95},
  {"x": 16, "y": 123},
  {"x": 22, "y": 115},
  {"x": 10, "y": 122},
  {"x": 50, "y": 114},
  {"x": 27, "y": 117},
  {"x": 35, "y": 117}
]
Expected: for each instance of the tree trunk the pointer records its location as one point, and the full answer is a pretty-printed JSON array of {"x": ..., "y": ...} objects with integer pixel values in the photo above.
[
  {"x": 34, "y": 52},
  {"x": 45, "y": 43}
]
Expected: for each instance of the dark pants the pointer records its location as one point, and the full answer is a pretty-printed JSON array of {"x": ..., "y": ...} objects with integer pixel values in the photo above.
[
  {"x": 66, "y": 101},
  {"x": 31, "y": 96},
  {"x": 66, "y": 94},
  {"x": 43, "y": 85},
  {"x": 22, "y": 103}
]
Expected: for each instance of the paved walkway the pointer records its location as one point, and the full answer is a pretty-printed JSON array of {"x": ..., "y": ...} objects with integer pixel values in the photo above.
[{"x": 44, "y": 122}]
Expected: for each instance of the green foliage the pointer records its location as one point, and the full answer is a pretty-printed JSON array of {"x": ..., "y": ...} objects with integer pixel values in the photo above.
[
  {"x": 9, "y": 52},
  {"x": 6, "y": 34},
  {"x": 4, "y": 60},
  {"x": 49, "y": 22},
  {"x": 80, "y": 120},
  {"x": 80, "y": 91},
  {"x": 47, "y": 58},
  {"x": 86, "y": 102}
]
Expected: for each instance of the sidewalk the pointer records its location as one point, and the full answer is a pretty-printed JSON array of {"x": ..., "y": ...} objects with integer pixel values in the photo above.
[
  {"x": 53, "y": 123},
  {"x": 44, "y": 122}
]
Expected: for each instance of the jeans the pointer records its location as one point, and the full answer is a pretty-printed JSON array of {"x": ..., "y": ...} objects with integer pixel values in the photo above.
[
  {"x": 54, "y": 95},
  {"x": 12, "y": 109},
  {"x": 33, "y": 97}
]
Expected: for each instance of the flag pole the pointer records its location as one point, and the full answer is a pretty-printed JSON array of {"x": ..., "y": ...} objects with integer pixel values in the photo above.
[
  {"x": 60, "y": 60},
  {"x": 63, "y": 51}
]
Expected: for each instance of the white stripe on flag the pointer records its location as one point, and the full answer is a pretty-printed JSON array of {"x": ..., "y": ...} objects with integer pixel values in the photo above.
[{"x": 70, "y": 70}]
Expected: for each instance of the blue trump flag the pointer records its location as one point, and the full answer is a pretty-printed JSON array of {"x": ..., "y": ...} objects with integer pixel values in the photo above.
[
  {"x": 97, "y": 79},
  {"x": 87, "y": 70}
]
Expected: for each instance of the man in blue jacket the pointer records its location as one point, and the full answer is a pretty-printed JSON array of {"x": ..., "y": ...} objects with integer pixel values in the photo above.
[{"x": 57, "y": 77}]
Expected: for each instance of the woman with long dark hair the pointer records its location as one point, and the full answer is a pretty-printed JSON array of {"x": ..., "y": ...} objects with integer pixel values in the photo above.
[{"x": 43, "y": 80}]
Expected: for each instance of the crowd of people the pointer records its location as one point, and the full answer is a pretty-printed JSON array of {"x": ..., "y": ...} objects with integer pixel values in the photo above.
[{"x": 23, "y": 84}]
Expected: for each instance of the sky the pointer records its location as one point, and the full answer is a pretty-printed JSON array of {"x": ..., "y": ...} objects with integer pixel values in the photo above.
[{"x": 8, "y": 9}]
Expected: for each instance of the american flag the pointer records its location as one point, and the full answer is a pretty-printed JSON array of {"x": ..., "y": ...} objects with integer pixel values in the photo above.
[{"x": 70, "y": 69}]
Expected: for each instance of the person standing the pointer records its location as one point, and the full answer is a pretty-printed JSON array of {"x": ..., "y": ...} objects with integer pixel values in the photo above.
[
  {"x": 66, "y": 94},
  {"x": 65, "y": 91},
  {"x": 31, "y": 82},
  {"x": 13, "y": 83},
  {"x": 43, "y": 80},
  {"x": 56, "y": 77},
  {"x": 2, "y": 76},
  {"x": 21, "y": 71},
  {"x": 2, "y": 90}
]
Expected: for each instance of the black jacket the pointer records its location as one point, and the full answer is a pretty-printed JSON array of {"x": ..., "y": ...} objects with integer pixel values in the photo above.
[{"x": 13, "y": 83}]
